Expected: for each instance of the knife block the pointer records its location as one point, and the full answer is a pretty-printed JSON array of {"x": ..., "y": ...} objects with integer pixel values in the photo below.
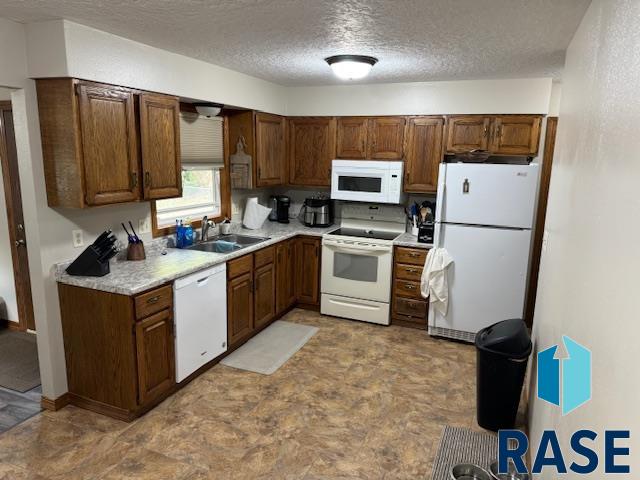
[
  {"x": 88, "y": 264},
  {"x": 135, "y": 251}
]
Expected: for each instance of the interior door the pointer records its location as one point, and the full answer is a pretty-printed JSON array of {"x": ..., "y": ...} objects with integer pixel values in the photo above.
[
  {"x": 483, "y": 194},
  {"x": 109, "y": 144},
  {"x": 15, "y": 220},
  {"x": 487, "y": 282},
  {"x": 160, "y": 142}
]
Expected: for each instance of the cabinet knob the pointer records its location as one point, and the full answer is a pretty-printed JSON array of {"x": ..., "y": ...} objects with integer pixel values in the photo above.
[
  {"x": 153, "y": 299},
  {"x": 134, "y": 180},
  {"x": 147, "y": 179}
]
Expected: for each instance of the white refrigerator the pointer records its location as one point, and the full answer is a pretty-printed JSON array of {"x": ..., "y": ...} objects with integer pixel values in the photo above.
[{"x": 484, "y": 215}]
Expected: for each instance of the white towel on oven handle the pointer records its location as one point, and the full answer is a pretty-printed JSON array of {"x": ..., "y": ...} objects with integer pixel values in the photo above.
[{"x": 433, "y": 283}]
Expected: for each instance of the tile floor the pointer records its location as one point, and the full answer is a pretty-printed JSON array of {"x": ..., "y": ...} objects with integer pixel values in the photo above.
[
  {"x": 16, "y": 407},
  {"x": 358, "y": 401}
]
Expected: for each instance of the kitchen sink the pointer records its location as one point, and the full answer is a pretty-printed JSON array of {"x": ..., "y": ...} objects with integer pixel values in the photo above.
[{"x": 227, "y": 243}]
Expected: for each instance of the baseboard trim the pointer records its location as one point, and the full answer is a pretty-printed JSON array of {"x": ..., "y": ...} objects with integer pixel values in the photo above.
[
  {"x": 55, "y": 404},
  {"x": 13, "y": 326}
]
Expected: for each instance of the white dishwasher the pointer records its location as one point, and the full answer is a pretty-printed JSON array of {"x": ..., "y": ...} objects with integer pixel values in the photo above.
[{"x": 200, "y": 318}]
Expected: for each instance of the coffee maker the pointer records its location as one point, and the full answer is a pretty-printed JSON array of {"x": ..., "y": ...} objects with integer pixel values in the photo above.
[
  {"x": 279, "y": 208},
  {"x": 317, "y": 212}
]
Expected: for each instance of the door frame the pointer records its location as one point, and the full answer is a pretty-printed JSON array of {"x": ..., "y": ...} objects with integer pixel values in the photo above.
[{"x": 15, "y": 219}]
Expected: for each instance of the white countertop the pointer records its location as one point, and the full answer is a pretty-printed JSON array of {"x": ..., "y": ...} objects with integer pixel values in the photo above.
[{"x": 131, "y": 278}]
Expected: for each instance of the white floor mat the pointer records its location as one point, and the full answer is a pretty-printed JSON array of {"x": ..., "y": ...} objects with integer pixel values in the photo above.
[{"x": 270, "y": 349}]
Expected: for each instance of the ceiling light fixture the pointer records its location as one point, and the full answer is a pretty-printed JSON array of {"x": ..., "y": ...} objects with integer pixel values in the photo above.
[
  {"x": 208, "y": 109},
  {"x": 351, "y": 67}
]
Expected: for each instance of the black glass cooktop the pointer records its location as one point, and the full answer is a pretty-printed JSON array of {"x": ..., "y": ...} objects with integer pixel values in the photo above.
[{"x": 364, "y": 233}]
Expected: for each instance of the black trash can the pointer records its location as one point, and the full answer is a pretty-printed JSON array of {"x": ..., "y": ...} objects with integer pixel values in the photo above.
[{"x": 502, "y": 352}]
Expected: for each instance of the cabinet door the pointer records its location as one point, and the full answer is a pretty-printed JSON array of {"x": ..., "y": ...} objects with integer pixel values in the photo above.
[
  {"x": 155, "y": 354},
  {"x": 515, "y": 135},
  {"x": 109, "y": 144},
  {"x": 466, "y": 133},
  {"x": 352, "y": 137},
  {"x": 270, "y": 150},
  {"x": 308, "y": 270},
  {"x": 264, "y": 294},
  {"x": 423, "y": 154},
  {"x": 312, "y": 146},
  {"x": 285, "y": 276},
  {"x": 160, "y": 141},
  {"x": 239, "y": 307},
  {"x": 386, "y": 137}
]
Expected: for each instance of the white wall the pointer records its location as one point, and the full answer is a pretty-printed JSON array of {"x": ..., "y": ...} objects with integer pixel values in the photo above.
[
  {"x": 8, "y": 303},
  {"x": 554, "y": 102},
  {"x": 588, "y": 285},
  {"x": 467, "y": 96}
]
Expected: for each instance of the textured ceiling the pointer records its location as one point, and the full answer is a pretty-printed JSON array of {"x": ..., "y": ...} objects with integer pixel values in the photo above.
[{"x": 285, "y": 41}]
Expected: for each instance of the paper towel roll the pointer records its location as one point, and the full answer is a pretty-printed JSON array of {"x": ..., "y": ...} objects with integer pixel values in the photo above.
[{"x": 254, "y": 214}]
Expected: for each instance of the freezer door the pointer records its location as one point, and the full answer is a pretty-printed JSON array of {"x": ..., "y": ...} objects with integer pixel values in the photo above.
[
  {"x": 487, "y": 279},
  {"x": 483, "y": 194}
]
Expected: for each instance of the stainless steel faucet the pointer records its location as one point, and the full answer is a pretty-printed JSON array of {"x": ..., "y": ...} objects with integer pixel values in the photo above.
[{"x": 204, "y": 228}]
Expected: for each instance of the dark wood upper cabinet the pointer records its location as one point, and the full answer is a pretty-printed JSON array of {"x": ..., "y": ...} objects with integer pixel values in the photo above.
[
  {"x": 515, "y": 135},
  {"x": 423, "y": 153},
  {"x": 308, "y": 270},
  {"x": 465, "y": 133},
  {"x": 155, "y": 354},
  {"x": 270, "y": 150},
  {"x": 386, "y": 137},
  {"x": 92, "y": 136},
  {"x": 160, "y": 142},
  {"x": 109, "y": 144},
  {"x": 312, "y": 146},
  {"x": 352, "y": 137}
]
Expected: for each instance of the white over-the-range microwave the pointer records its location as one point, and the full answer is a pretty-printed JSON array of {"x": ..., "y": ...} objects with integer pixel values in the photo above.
[{"x": 366, "y": 181}]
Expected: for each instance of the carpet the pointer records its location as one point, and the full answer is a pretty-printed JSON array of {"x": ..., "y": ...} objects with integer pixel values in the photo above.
[
  {"x": 463, "y": 445},
  {"x": 271, "y": 348},
  {"x": 18, "y": 361}
]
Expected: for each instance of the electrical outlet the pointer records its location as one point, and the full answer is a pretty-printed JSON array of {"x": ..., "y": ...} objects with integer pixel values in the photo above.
[
  {"x": 78, "y": 240},
  {"x": 144, "y": 225}
]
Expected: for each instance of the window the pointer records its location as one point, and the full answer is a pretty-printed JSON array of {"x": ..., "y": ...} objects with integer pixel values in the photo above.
[{"x": 200, "y": 197}]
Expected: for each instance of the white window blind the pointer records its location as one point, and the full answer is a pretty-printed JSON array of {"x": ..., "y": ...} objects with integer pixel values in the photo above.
[{"x": 201, "y": 139}]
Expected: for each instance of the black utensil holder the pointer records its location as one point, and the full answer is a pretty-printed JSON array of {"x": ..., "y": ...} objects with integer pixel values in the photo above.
[{"x": 88, "y": 264}]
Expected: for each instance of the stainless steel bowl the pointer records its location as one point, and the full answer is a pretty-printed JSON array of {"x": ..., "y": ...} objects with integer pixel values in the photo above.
[
  {"x": 468, "y": 471},
  {"x": 511, "y": 475}
]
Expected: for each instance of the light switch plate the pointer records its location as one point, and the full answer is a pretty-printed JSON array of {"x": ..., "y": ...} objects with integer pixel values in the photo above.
[
  {"x": 77, "y": 237},
  {"x": 144, "y": 225}
]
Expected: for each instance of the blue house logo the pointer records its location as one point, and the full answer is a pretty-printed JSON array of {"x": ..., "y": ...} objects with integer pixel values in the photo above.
[{"x": 565, "y": 382}]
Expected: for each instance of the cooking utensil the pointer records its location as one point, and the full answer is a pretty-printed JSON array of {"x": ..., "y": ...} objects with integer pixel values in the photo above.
[
  {"x": 129, "y": 236},
  {"x": 135, "y": 235}
]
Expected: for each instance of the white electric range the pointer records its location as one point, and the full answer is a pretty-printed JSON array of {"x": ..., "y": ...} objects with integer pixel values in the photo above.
[{"x": 357, "y": 260}]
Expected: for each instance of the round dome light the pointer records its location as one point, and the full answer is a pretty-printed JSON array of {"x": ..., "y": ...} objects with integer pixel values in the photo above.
[{"x": 351, "y": 67}]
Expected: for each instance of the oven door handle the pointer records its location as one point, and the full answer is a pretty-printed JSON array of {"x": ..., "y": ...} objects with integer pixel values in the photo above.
[{"x": 358, "y": 250}]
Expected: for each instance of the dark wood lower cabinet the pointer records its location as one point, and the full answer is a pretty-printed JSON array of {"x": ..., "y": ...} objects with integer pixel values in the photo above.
[
  {"x": 285, "y": 276},
  {"x": 264, "y": 294},
  {"x": 408, "y": 308},
  {"x": 119, "y": 363},
  {"x": 156, "y": 356},
  {"x": 308, "y": 271},
  {"x": 239, "y": 308}
]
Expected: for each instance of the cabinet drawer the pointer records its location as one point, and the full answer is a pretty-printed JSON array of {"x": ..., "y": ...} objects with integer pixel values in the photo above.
[
  {"x": 239, "y": 266},
  {"x": 413, "y": 256},
  {"x": 408, "y": 272},
  {"x": 411, "y": 308},
  {"x": 264, "y": 256},
  {"x": 153, "y": 301},
  {"x": 408, "y": 289}
]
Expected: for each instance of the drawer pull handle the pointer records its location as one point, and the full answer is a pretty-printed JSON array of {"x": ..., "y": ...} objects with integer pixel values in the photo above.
[
  {"x": 409, "y": 287},
  {"x": 413, "y": 255},
  {"x": 153, "y": 299},
  {"x": 411, "y": 270}
]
